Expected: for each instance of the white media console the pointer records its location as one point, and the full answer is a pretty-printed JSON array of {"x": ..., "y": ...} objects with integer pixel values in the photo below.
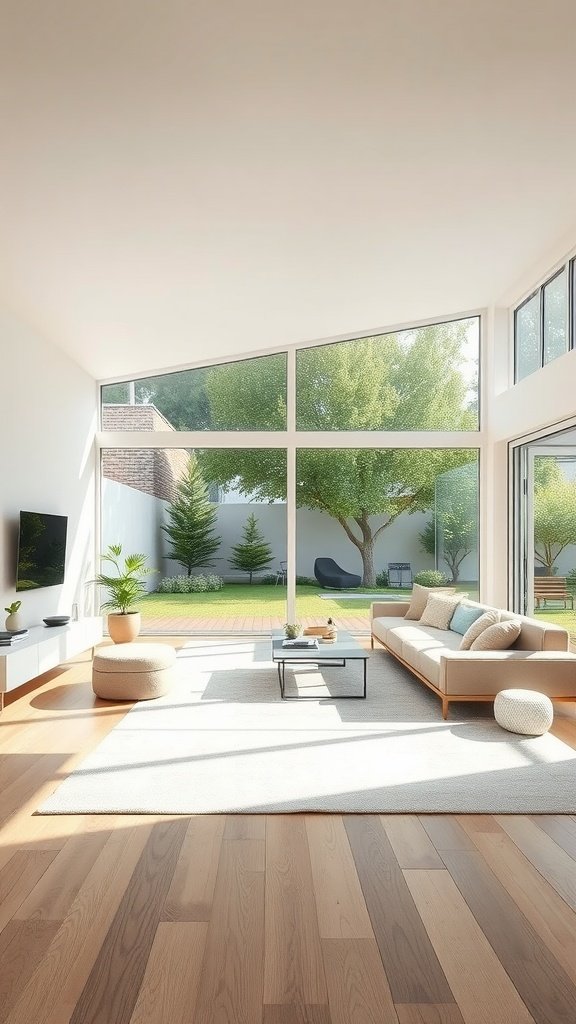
[{"x": 43, "y": 648}]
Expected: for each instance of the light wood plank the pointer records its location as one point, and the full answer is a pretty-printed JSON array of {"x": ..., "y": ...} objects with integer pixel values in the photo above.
[
  {"x": 427, "y": 1013},
  {"x": 561, "y": 828},
  {"x": 358, "y": 988},
  {"x": 340, "y": 903},
  {"x": 472, "y": 823},
  {"x": 231, "y": 980},
  {"x": 445, "y": 832},
  {"x": 480, "y": 984},
  {"x": 18, "y": 878},
  {"x": 111, "y": 990},
  {"x": 245, "y": 826},
  {"x": 412, "y": 845},
  {"x": 60, "y": 977},
  {"x": 170, "y": 985},
  {"x": 293, "y": 1013},
  {"x": 547, "y": 857},
  {"x": 192, "y": 890},
  {"x": 22, "y": 944},
  {"x": 51, "y": 897},
  {"x": 547, "y": 912},
  {"x": 542, "y": 984},
  {"x": 294, "y": 971},
  {"x": 409, "y": 959}
]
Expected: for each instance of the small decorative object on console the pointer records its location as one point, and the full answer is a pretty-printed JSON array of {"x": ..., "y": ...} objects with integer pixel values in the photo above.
[
  {"x": 14, "y": 622},
  {"x": 57, "y": 620}
]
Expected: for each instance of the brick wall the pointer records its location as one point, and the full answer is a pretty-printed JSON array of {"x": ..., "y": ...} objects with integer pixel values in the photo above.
[{"x": 153, "y": 471}]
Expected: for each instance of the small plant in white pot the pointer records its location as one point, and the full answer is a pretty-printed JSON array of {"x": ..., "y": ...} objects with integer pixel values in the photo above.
[
  {"x": 13, "y": 622},
  {"x": 292, "y": 630},
  {"x": 125, "y": 589}
]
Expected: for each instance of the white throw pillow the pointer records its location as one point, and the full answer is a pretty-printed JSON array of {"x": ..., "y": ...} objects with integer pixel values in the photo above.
[
  {"x": 419, "y": 598},
  {"x": 439, "y": 610},
  {"x": 489, "y": 618},
  {"x": 498, "y": 637}
]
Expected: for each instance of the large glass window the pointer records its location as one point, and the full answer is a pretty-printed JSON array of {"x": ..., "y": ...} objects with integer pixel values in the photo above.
[
  {"x": 362, "y": 513},
  {"x": 543, "y": 330},
  {"x": 212, "y": 524},
  {"x": 527, "y": 333},
  {"x": 555, "y": 317},
  {"x": 207, "y": 398},
  {"x": 420, "y": 379}
]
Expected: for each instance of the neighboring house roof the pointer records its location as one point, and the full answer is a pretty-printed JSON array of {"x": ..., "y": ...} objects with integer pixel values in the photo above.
[{"x": 154, "y": 471}]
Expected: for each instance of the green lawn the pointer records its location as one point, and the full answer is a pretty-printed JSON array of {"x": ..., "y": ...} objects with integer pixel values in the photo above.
[
  {"x": 240, "y": 599},
  {"x": 257, "y": 600}
]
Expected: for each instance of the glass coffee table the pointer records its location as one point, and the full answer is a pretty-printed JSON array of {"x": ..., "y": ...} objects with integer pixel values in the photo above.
[{"x": 336, "y": 654}]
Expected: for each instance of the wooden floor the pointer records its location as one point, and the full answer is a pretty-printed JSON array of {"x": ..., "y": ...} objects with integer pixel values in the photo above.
[{"x": 279, "y": 919}]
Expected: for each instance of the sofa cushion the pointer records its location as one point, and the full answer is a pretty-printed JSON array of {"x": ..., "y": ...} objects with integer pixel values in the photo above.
[
  {"x": 463, "y": 617},
  {"x": 498, "y": 637},
  {"x": 439, "y": 610},
  {"x": 382, "y": 625},
  {"x": 419, "y": 597},
  {"x": 428, "y": 664},
  {"x": 488, "y": 618}
]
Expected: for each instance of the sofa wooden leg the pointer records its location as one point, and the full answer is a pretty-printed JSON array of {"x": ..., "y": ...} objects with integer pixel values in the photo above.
[
  {"x": 445, "y": 704},
  {"x": 372, "y": 641}
]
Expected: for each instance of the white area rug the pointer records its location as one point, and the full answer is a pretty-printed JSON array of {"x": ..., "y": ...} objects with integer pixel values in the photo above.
[{"x": 223, "y": 741}]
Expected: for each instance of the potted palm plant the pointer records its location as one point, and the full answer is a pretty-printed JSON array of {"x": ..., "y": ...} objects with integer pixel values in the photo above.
[{"x": 125, "y": 587}]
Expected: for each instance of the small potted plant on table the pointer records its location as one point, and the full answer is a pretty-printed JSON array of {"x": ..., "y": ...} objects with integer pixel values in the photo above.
[{"x": 125, "y": 588}]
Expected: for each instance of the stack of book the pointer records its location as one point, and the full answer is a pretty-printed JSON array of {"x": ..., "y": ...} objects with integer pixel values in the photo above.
[
  {"x": 9, "y": 638},
  {"x": 301, "y": 642}
]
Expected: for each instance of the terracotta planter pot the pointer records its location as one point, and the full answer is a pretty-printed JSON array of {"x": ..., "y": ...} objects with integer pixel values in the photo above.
[{"x": 124, "y": 627}]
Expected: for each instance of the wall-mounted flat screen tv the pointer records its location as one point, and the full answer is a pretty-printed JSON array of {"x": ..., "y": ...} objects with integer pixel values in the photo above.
[{"x": 41, "y": 550}]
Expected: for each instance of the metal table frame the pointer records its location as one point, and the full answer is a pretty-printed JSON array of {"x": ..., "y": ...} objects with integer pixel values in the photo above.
[{"x": 320, "y": 660}]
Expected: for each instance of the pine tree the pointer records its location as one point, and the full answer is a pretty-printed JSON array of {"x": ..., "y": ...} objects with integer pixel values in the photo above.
[
  {"x": 254, "y": 553},
  {"x": 191, "y": 518}
]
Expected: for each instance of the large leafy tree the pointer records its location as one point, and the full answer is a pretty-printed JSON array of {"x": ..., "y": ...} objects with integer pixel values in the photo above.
[
  {"x": 385, "y": 383},
  {"x": 191, "y": 519},
  {"x": 554, "y": 512},
  {"x": 454, "y": 524},
  {"x": 253, "y": 553}
]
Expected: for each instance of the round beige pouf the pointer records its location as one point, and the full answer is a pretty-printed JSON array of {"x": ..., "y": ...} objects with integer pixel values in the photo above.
[
  {"x": 133, "y": 671},
  {"x": 524, "y": 711}
]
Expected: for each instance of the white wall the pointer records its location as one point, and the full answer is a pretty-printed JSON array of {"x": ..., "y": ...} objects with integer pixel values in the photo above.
[
  {"x": 133, "y": 518},
  {"x": 47, "y": 425}
]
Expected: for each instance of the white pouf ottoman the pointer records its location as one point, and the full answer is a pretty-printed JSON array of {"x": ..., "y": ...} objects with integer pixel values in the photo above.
[
  {"x": 133, "y": 671},
  {"x": 524, "y": 711}
]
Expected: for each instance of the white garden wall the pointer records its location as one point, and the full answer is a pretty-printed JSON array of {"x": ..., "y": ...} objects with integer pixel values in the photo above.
[{"x": 133, "y": 519}]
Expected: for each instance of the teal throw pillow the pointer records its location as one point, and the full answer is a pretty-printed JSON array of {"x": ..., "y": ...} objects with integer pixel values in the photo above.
[{"x": 463, "y": 618}]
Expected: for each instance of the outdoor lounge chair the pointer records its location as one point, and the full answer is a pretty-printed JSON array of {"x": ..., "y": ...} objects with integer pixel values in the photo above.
[{"x": 330, "y": 574}]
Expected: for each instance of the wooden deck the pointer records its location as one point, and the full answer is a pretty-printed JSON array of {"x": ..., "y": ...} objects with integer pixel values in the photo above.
[
  {"x": 277, "y": 919},
  {"x": 354, "y": 623}
]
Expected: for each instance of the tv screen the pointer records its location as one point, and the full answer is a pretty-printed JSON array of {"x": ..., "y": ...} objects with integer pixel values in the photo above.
[{"x": 41, "y": 550}]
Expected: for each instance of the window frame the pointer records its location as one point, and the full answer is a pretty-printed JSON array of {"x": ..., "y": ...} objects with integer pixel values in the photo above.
[{"x": 569, "y": 269}]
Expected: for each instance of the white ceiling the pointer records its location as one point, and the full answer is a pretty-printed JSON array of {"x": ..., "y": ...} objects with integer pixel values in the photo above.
[{"x": 183, "y": 179}]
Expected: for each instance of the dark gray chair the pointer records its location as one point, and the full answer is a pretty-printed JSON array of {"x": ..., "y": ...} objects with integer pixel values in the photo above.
[{"x": 330, "y": 574}]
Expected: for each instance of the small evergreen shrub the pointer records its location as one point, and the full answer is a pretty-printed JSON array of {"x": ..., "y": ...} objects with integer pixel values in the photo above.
[
  {"x": 382, "y": 579},
  {"x": 307, "y": 581},
  {"x": 431, "y": 578}
]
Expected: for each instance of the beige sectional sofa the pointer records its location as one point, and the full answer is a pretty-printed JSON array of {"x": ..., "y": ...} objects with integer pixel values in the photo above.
[{"x": 538, "y": 660}]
